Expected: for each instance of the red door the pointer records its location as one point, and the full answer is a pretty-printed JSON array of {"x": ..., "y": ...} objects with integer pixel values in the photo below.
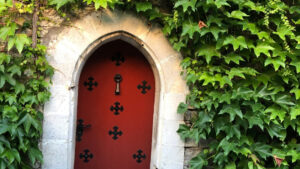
[{"x": 115, "y": 110}]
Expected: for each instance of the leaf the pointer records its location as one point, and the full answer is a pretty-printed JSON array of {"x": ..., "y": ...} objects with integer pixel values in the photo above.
[
  {"x": 231, "y": 166},
  {"x": 263, "y": 35},
  {"x": 214, "y": 19},
  {"x": 295, "y": 155},
  {"x": 255, "y": 120},
  {"x": 254, "y": 7},
  {"x": 239, "y": 72},
  {"x": 59, "y": 3},
  {"x": 227, "y": 146},
  {"x": 283, "y": 99},
  {"x": 275, "y": 112},
  {"x": 4, "y": 128},
  {"x": 11, "y": 98},
  {"x": 143, "y": 6},
  {"x": 232, "y": 110},
  {"x": 11, "y": 43},
  {"x": 208, "y": 51},
  {"x": 263, "y": 92},
  {"x": 231, "y": 131},
  {"x": 19, "y": 88},
  {"x": 296, "y": 62},
  {"x": 283, "y": 31},
  {"x": 43, "y": 96},
  {"x": 29, "y": 121},
  {"x": 276, "y": 130},
  {"x": 276, "y": 62},
  {"x": 263, "y": 48},
  {"x": 9, "y": 155},
  {"x": 238, "y": 14},
  {"x": 14, "y": 69},
  {"x": 295, "y": 112},
  {"x": 198, "y": 162},
  {"x": 2, "y": 81},
  {"x": 182, "y": 108},
  {"x": 220, "y": 3},
  {"x": 214, "y": 30},
  {"x": 21, "y": 40},
  {"x": 263, "y": 150},
  {"x": 238, "y": 42},
  {"x": 251, "y": 27},
  {"x": 10, "y": 79},
  {"x": 7, "y": 31},
  {"x": 4, "y": 58},
  {"x": 35, "y": 154},
  {"x": 232, "y": 57},
  {"x": 190, "y": 29},
  {"x": 100, "y": 3},
  {"x": 186, "y": 4}
]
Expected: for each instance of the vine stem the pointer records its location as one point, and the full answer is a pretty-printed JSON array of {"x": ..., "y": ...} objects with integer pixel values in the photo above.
[{"x": 34, "y": 23}]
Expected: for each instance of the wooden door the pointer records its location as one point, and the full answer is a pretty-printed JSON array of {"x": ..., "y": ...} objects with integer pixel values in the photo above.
[{"x": 115, "y": 110}]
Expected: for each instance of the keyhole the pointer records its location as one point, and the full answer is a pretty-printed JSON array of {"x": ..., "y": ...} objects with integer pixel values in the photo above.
[{"x": 118, "y": 79}]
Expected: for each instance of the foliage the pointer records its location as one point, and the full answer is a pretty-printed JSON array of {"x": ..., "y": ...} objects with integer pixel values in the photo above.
[
  {"x": 23, "y": 88},
  {"x": 242, "y": 66},
  {"x": 241, "y": 62}
]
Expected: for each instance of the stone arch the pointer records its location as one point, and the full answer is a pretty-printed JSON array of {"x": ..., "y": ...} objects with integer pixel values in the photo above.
[{"x": 67, "y": 52}]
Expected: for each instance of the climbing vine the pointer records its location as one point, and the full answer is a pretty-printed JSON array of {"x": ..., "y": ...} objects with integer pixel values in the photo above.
[
  {"x": 24, "y": 84},
  {"x": 241, "y": 63}
]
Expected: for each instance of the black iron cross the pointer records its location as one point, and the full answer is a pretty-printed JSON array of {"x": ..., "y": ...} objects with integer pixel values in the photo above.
[
  {"x": 90, "y": 83},
  {"x": 86, "y": 155},
  {"x": 116, "y": 108},
  {"x": 139, "y": 156},
  {"x": 115, "y": 133},
  {"x": 118, "y": 58},
  {"x": 144, "y": 87}
]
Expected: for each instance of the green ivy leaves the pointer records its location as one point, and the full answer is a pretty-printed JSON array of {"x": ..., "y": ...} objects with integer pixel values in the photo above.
[
  {"x": 23, "y": 91},
  {"x": 242, "y": 69}
]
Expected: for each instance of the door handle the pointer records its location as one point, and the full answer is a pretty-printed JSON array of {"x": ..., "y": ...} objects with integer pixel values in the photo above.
[
  {"x": 79, "y": 129},
  {"x": 118, "y": 79}
]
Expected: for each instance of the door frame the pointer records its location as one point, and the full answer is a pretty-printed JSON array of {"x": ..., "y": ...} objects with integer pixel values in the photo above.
[{"x": 68, "y": 53}]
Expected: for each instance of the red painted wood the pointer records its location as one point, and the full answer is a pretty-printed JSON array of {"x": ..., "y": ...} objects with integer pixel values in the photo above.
[{"x": 135, "y": 121}]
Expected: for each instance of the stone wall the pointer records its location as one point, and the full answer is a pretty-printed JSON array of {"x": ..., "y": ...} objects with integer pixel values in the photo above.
[{"x": 53, "y": 26}]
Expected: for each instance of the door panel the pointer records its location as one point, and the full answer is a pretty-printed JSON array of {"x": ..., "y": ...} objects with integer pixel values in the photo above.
[{"x": 120, "y": 131}]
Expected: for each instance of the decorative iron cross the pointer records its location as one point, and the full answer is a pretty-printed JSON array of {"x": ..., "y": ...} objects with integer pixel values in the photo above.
[
  {"x": 144, "y": 87},
  {"x": 118, "y": 58},
  {"x": 116, "y": 108},
  {"x": 90, "y": 83},
  {"x": 139, "y": 156},
  {"x": 115, "y": 133},
  {"x": 86, "y": 155}
]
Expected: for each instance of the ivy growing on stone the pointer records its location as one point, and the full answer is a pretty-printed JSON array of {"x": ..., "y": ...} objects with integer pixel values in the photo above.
[
  {"x": 24, "y": 84},
  {"x": 241, "y": 63}
]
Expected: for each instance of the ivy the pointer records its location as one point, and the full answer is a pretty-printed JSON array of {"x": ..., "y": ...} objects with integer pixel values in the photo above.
[{"x": 24, "y": 88}]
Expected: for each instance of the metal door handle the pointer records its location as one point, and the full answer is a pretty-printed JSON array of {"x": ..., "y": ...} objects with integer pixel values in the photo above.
[
  {"x": 118, "y": 79},
  {"x": 80, "y": 128}
]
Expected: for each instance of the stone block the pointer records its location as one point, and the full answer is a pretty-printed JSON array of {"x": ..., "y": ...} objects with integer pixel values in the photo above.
[
  {"x": 59, "y": 103},
  {"x": 169, "y": 133},
  {"x": 55, "y": 127},
  {"x": 55, "y": 154},
  {"x": 170, "y": 103},
  {"x": 190, "y": 153},
  {"x": 172, "y": 156}
]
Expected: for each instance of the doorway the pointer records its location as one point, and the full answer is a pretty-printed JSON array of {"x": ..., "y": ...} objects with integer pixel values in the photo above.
[{"x": 115, "y": 109}]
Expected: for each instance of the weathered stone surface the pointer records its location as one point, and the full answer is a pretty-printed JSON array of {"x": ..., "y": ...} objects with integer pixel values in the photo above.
[
  {"x": 69, "y": 46},
  {"x": 190, "y": 153}
]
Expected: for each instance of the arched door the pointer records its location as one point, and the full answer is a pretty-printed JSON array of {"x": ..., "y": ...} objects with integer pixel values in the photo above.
[{"x": 115, "y": 109}]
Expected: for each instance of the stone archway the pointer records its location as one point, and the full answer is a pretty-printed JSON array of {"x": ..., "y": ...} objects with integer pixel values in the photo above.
[{"x": 67, "y": 52}]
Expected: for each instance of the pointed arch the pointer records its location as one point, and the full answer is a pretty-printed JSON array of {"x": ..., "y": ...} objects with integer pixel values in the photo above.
[{"x": 69, "y": 50}]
